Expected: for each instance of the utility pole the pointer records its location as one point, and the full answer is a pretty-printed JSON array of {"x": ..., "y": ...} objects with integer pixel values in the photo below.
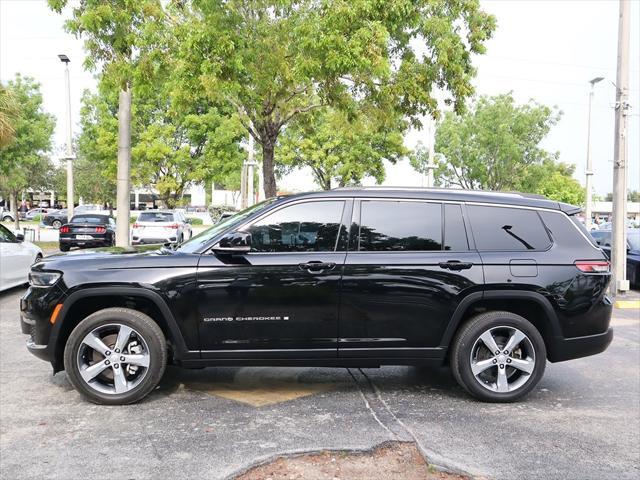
[
  {"x": 69, "y": 148},
  {"x": 247, "y": 195},
  {"x": 251, "y": 165},
  {"x": 589, "y": 171},
  {"x": 619, "y": 283}
]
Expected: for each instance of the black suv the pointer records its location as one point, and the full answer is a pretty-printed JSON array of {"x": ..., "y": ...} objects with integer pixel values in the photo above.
[{"x": 493, "y": 284}]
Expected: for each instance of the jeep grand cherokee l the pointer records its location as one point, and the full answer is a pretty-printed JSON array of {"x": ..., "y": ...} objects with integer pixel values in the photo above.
[{"x": 493, "y": 284}]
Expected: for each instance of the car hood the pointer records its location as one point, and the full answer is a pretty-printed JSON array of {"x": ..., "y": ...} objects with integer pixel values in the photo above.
[{"x": 117, "y": 258}]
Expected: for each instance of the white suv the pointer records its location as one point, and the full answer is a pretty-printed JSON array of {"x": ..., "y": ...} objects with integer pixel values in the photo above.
[{"x": 160, "y": 226}]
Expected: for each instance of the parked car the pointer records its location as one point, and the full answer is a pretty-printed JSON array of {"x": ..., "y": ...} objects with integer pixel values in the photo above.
[
  {"x": 603, "y": 238},
  {"x": 161, "y": 226},
  {"x": 492, "y": 284},
  {"x": 6, "y": 215},
  {"x": 31, "y": 214},
  {"x": 16, "y": 258},
  {"x": 88, "y": 230},
  {"x": 55, "y": 218}
]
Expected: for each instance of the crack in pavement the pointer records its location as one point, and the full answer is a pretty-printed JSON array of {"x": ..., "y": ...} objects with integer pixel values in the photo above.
[{"x": 398, "y": 430}]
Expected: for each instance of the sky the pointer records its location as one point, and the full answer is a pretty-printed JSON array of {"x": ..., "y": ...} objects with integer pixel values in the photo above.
[{"x": 546, "y": 50}]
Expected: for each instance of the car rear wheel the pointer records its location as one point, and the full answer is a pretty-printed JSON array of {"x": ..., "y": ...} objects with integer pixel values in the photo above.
[
  {"x": 7, "y": 219},
  {"x": 498, "y": 357},
  {"x": 56, "y": 224},
  {"x": 64, "y": 248},
  {"x": 115, "y": 356}
]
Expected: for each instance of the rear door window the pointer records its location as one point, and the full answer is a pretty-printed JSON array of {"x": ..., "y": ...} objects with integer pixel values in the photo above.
[
  {"x": 509, "y": 229},
  {"x": 455, "y": 234},
  {"x": 400, "y": 226}
]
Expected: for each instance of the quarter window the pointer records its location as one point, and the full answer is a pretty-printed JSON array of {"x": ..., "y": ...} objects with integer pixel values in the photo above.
[
  {"x": 499, "y": 228},
  {"x": 303, "y": 227},
  {"x": 400, "y": 226}
]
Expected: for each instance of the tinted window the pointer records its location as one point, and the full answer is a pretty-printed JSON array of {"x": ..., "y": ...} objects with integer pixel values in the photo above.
[
  {"x": 155, "y": 217},
  {"x": 304, "y": 227},
  {"x": 602, "y": 238},
  {"x": 400, "y": 226},
  {"x": 455, "y": 235},
  {"x": 499, "y": 228},
  {"x": 97, "y": 219}
]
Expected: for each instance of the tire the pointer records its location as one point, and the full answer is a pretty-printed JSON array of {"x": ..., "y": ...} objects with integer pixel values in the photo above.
[
  {"x": 56, "y": 224},
  {"x": 7, "y": 219},
  {"x": 38, "y": 258},
  {"x": 64, "y": 248},
  {"x": 496, "y": 377},
  {"x": 150, "y": 354}
]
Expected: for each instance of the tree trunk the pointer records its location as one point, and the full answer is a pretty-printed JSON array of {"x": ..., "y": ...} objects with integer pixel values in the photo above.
[
  {"x": 14, "y": 210},
  {"x": 268, "y": 147},
  {"x": 124, "y": 168}
]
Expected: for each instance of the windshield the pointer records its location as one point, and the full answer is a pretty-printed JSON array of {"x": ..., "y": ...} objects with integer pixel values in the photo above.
[
  {"x": 203, "y": 238},
  {"x": 634, "y": 240},
  {"x": 156, "y": 217}
]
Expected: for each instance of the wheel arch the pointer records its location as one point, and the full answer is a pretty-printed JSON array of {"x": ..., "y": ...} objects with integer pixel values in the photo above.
[
  {"x": 531, "y": 305},
  {"x": 83, "y": 303}
]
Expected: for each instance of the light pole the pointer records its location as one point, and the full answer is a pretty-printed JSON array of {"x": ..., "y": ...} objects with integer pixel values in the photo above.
[
  {"x": 589, "y": 171},
  {"x": 69, "y": 150}
]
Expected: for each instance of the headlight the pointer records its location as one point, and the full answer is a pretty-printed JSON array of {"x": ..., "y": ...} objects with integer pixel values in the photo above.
[{"x": 43, "y": 279}]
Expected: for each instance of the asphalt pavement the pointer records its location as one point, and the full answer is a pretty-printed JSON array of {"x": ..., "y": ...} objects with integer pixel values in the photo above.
[{"x": 581, "y": 422}]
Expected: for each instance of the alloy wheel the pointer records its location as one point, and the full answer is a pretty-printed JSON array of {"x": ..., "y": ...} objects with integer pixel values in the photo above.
[
  {"x": 113, "y": 359},
  {"x": 502, "y": 359}
]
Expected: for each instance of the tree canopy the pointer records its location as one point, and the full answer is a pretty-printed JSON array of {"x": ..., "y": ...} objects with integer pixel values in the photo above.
[
  {"x": 273, "y": 61},
  {"x": 25, "y": 161},
  {"x": 341, "y": 149},
  {"x": 495, "y": 145}
]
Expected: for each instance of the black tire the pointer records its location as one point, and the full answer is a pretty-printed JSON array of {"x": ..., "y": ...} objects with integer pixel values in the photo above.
[
  {"x": 145, "y": 327},
  {"x": 64, "y": 248},
  {"x": 56, "y": 224},
  {"x": 7, "y": 219},
  {"x": 468, "y": 336}
]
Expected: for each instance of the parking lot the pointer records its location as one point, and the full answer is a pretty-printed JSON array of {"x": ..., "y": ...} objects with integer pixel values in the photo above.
[{"x": 582, "y": 420}]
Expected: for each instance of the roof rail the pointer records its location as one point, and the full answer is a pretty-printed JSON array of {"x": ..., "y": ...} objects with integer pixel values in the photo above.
[{"x": 442, "y": 189}]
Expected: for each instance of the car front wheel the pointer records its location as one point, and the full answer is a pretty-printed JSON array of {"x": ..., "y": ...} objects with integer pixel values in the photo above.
[
  {"x": 115, "y": 356},
  {"x": 56, "y": 224},
  {"x": 498, "y": 357}
]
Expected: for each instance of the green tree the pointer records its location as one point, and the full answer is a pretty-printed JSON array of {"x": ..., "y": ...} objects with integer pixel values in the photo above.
[
  {"x": 491, "y": 145},
  {"x": 9, "y": 115},
  {"x": 553, "y": 180},
  {"x": 174, "y": 145},
  {"x": 341, "y": 149},
  {"x": 118, "y": 36},
  {"x": 276, "y": 60},
  {"x": 25, "y": 161}
]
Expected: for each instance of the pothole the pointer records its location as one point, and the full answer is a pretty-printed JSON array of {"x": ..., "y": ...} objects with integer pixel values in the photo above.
[{"x": 391, "y": 461}]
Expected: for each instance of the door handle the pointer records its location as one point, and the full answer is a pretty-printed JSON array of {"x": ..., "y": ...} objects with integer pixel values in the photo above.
[
  {"x": 316, "y": 267},
  {"x": 455, "y": 265}
]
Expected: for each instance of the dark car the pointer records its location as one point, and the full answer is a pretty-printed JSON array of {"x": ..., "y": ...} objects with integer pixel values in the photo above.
[
  {"x": 492, "y": 284},
  {"x": 55, "y": 218},
  {"x": 603, "y": 238},
  {"x": 88, "y": 230}
]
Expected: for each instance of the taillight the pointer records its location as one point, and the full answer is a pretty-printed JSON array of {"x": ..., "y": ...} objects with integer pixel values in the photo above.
[
  {"x": 64, "y": 229},
  {"x": 593, "y": 266},
  {"x": 101, "y": 229},
  {"x": 174, "y": 226},
  {"x": 135, "y": 225}
]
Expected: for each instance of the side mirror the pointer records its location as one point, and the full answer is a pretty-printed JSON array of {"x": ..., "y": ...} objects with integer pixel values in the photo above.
[
  {"x": 20, "y": 237},
  {"x": 236, "y": 242}
]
